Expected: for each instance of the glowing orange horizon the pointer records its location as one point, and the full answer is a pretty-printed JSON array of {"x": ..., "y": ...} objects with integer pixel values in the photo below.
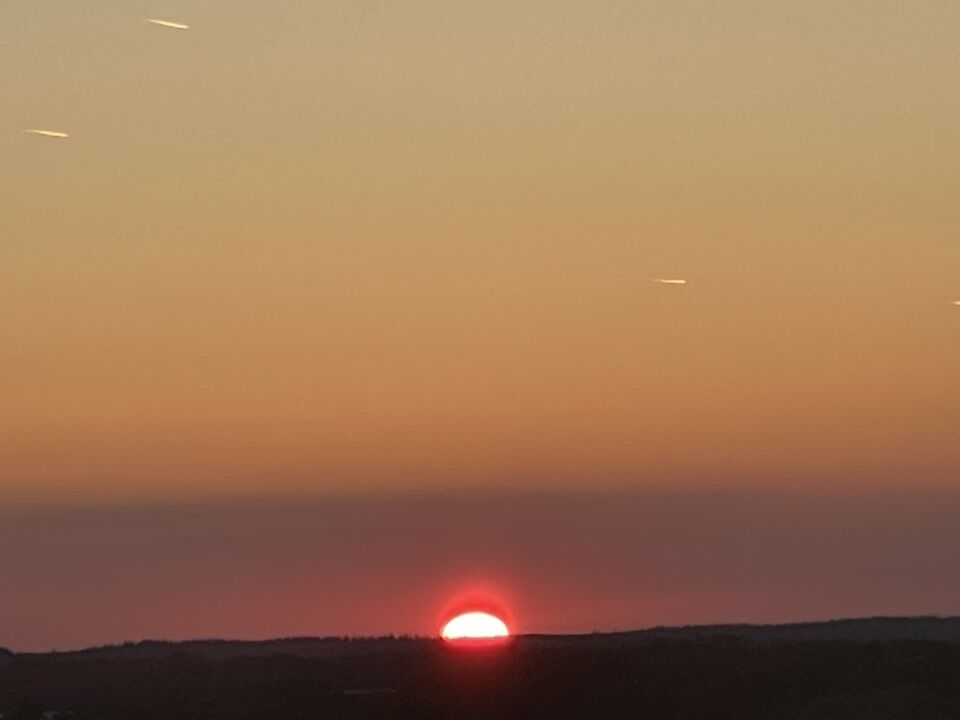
[{"x": 475, "y": 625}]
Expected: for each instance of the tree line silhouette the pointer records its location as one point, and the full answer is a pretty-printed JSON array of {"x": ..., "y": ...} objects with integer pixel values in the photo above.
[{"x": 599, "y": 677}]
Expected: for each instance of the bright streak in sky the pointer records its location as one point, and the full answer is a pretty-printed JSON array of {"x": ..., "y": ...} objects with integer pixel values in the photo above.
[
  {"x": 46, "y": 133},
  {"x": 168, "y": 24},
  {"x": 669, "y": 281}
]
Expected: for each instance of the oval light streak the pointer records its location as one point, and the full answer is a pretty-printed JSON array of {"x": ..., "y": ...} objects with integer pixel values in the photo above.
[
  {"x": 46, "y": 133},
  {"x": 475, "y": 626},
  {"x": 168, "y": 24}
]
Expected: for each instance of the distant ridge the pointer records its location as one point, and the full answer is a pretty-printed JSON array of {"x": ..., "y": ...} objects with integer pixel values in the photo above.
[
  {"x": 873, "y": 629},
  {"x": 867, "y": 669},
  {"x": 217, "y": 649}
]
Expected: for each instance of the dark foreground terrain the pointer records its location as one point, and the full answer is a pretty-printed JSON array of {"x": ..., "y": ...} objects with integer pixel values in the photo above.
[{"x": 876, "y": 669}]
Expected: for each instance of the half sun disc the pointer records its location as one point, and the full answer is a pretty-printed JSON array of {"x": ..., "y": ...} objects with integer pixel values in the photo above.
[{"x": 475, "y": 626}]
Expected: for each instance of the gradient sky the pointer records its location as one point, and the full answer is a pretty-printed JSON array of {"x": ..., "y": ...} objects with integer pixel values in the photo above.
[
  {"x": 73, "y": 578},
  {"x": 384, "y": 247}
]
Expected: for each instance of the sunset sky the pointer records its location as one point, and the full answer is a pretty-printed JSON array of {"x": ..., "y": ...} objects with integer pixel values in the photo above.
[{"x": 399, "y": 257}]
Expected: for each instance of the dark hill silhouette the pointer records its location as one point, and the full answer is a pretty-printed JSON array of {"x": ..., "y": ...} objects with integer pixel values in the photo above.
[
  {"x": 215, "y": 649},
  {"x": 879, "y": 668},
  {"x": 876, "y": 629}
]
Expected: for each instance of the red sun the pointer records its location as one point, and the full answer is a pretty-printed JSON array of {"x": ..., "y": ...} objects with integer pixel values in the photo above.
[{"x": 474, "y": 626}]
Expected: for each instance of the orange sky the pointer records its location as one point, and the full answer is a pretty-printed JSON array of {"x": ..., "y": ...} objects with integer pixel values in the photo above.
[{"x": 366, "y": 247}]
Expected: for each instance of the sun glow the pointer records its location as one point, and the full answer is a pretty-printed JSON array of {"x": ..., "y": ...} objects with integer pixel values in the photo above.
[{"x": 475, "y": 626}]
